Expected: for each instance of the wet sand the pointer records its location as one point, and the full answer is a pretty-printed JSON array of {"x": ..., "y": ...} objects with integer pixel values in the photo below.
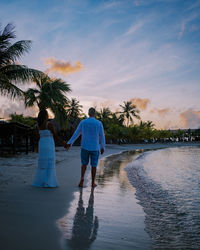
[{"x": 35, "y": 218}]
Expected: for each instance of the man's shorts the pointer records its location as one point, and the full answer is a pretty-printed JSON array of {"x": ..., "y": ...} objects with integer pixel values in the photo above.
[{"x": 87, "y": 155}]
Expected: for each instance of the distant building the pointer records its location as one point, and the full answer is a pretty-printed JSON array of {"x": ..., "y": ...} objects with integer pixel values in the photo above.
[{"x": 16, "y": 137}]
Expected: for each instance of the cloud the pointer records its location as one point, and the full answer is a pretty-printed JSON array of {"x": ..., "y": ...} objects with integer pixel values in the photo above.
[
  {"x": 62, "y": 67},
  {"x": 186, "y": 24},
  {"x": 100, "y": 103},
  {"x": 190, "y": 118},
  {"x": 109, "y": 5},
  {"x": 133, "y": 28},
  {"x": 170, "y": 125},
  {"x": 180, "y": 34},
  {"x": 16, "y": 107},
  {"x": 160, "y": 112},
  {"x": 112, "y": 4},
  {"x": 193, "y": 28},
  {"x": 140, "y": 103}
]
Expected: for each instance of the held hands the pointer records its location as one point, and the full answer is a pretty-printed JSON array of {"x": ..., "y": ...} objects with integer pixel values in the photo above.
[{"x": 67, "y": 146}]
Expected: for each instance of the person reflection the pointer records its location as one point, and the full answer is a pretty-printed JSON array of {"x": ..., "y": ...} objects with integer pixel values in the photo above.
[{"x": 85, "y": 226}]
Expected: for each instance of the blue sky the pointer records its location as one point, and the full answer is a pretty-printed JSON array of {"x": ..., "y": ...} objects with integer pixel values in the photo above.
[{"x": 146, "y": 51}]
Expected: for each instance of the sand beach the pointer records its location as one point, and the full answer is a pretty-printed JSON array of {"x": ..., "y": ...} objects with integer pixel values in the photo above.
[{"x": 44, "y": 218}]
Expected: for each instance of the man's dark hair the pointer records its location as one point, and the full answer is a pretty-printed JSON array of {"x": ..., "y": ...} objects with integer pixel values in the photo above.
[{"x": 91, "y": 111}]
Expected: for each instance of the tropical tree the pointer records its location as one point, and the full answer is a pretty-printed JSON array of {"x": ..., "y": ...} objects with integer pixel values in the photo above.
[
  {"x": 49, "y": 94},
  {"x": 27, "y": 120},
  {"x": 73, "y": 108},
  {"x": 162, "y": 134},
  {"x": 114, "y": 133},
  {"x": 129, "y": 111},
  {"x": 11, "y": 72},
  {"x": 104, "y": 115},
  {"x": 148, "y": 125},
  {"x": 117, "y": 119}
]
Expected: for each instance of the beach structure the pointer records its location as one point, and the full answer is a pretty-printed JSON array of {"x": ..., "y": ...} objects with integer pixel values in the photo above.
[{"x": 16, "y": 137}]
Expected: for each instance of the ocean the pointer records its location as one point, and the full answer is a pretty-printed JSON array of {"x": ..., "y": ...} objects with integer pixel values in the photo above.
[
  {"x": 144, "y": 200},
  {"x": 167, "y": 183}
]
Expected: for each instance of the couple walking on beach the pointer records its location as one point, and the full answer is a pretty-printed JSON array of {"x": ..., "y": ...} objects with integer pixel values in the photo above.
[{"x": 92, "y": 144}]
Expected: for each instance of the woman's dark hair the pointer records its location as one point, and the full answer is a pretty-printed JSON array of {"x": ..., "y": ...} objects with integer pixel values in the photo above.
[{"x": 42, "y": 116}]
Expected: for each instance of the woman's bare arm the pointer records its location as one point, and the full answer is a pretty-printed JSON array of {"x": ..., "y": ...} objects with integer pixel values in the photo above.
[{"x": 56, "y": 137}]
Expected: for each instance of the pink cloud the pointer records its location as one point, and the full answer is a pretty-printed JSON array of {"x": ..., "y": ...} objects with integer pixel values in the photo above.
[
  {"x": 160, "y": 112},
  {"x": 62, "y": 67},
  {"x": 190, "y": 118},
  {"x": 140, "y": 103},
  {"x": 17, "y": 107}
]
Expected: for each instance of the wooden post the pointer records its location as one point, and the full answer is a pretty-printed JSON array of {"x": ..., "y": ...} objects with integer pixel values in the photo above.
[
  {"x": 33, "y": 140},
  {"x": 26, "y": 141},
  {"x": 14, "y": 140}
]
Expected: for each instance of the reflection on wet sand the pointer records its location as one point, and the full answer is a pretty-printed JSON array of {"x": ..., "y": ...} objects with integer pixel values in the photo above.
[
  {"x": 85, "y": 225},
  {"x": 120, "y": 222},
  {"x": 113, "y": 166}
]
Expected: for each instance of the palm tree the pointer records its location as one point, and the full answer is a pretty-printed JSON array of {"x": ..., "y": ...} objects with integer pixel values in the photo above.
[
  {"x": 104, "y": 116},
  {"x": 73, "y": 108},
  {"x": 49, "y": 93},
  {"x": 104, "y": 113},
  {"x": 117, "y": 119},
  {"x": 129, "y": 111},
  {"x": 11, "y": 72},
  {"x": 148, "y": 125}
]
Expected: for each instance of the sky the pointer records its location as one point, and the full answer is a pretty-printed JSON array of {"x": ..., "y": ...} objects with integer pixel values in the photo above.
[{"x": 111, "y": 51}]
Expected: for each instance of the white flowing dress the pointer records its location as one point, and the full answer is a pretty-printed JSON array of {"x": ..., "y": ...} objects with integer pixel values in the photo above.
[{"x": 46, "y": 172}]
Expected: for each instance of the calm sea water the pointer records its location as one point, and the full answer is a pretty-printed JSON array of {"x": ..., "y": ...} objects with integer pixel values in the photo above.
[
  {"x": 167, "y": 186},
  {"x": 147, "y": 200}
]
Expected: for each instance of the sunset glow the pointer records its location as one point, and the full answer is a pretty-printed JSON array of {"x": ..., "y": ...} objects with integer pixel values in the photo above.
[{"x": 145, "y": 51}]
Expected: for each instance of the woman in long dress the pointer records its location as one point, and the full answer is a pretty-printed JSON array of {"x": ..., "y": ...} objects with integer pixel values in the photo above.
[{"x": 46, "y": 173}]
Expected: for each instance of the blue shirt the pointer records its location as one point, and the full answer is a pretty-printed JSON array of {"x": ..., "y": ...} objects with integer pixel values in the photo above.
[{"x": 92, "y": 133}]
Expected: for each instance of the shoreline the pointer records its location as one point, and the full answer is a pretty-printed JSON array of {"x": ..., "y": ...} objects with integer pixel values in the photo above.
[{"x": 28, "y": 213}]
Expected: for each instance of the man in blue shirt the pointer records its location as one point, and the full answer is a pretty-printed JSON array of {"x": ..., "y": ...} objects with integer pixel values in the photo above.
[{"x": 92, "y": 141}]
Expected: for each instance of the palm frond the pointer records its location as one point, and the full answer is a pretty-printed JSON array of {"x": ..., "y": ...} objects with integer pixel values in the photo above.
[
  {"x": 14, "y": 52},
  {"x": 73, "y": 109},
  {"x": 9, "y": 89},
  {"x": 30, "y": 97},
  {"x": 61, "y": 85},
  {"x": 6, "y": 35},
  {"x": 19, "y": 73}
]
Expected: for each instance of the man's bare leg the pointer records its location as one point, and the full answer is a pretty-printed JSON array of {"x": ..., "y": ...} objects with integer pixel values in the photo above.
[
  {"x": 83, "y": 169},
  {"x": 93, "y": 173}
]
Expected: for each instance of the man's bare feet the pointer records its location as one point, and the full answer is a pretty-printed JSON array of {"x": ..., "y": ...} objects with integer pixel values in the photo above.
[
  {"x": 94, "y": 185},
  {"x": 81, "y": 183}
]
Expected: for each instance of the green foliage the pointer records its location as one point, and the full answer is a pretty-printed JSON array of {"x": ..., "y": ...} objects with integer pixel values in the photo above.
[
  {"x": 73, "y": 109},
  {"x": 118, "y": 129},
  {"x": 129, "y": 111},
  {"x": 105, "y": 116},
  {"x": 49, "y": 93},
  {"x": 26, "y": 120},
  {"x": 114, "y": 133}
]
